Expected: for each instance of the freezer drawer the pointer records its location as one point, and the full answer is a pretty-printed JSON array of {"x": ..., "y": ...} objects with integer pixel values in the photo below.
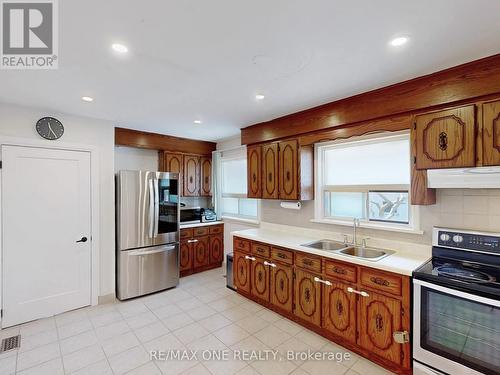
[{"x": 147, "y": 270}]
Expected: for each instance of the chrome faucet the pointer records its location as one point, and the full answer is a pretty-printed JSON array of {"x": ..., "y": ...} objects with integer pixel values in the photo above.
[{"x": 355, "y": 225}]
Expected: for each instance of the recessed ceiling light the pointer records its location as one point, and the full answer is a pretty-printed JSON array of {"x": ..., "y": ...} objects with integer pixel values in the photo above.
[
  {"x": 197, "y": 121},
  {"x": 87, "y": 99},
  {"x": 120, "y": 48},
  {"x": 259, "y": 97},
  {"x": 399, "y": 41}
]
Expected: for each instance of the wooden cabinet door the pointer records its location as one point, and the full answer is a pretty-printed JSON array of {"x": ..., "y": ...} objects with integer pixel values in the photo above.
[
  {"x": 491, "y": 133},
  {"x": 173, "y": 163},
  {"x": 379, "y": 318},
  {"x": 270, "y": 164},
  {"x": 186, "y": 256},
  {"x": 241, "y": 271},
  {"x": 288, "y": 170},
  {"x": 446, "y": 139},
  {"x": 339, "y": 310},
  {"x": 254, "y": 172},
  {"x": 191, "y": 176},
  {"x": 206, "y": 177},
  {"x": 260, "y": 279},
  {"x": 216, "y": 249},
  {"x": 307, "y": 297},
  {"x": 282, "y": 287},
  {"x": 201, "y": 251}
]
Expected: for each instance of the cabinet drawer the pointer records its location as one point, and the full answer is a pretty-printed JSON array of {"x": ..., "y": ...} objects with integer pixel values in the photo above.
[
  {"x": 341, "y": 271},
  {"x": 261, "y": 249},
  {"x": 282, "y": 255},
  {"x": 308, "y": 262},
  {"x": 200, "y": 231},
  {"x": 386, "y": 282},
  {"x": 216, "y": 229},
  {"x": 240, "y": 244},
  {"x": 186, "y": 233}
]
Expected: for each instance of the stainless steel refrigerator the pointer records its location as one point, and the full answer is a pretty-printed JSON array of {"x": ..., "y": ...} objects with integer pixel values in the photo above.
[{"x": 147, "y": 232}]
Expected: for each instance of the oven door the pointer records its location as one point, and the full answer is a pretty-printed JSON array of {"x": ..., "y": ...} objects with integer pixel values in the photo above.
[{"x": 455, "y": 332}]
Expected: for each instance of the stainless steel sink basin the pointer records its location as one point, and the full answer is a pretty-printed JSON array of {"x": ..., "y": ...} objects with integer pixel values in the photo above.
[
  {"x": 327, "y": 245},
  {"x": 366, "y": 253}
]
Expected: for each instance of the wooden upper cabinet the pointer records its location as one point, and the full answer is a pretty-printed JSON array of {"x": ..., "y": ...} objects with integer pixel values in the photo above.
[
  {"x": 289, "y": 169},
  {"x": 379, "y": 318},
  {"x": 491, "y": 133},
  {"x": 446, "y": 139},
  {"x": 307, "y": 297},
  {"x": 206, "y": 177},
  {"x": 254, "y": 171},
  {"x": 340, "y": 310},
  {"x": 270, "y": 171},
  {"x": 191, "y": 175}
]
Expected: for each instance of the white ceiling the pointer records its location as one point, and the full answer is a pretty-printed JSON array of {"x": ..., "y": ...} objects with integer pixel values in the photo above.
[{"x": 206, "y": 59}]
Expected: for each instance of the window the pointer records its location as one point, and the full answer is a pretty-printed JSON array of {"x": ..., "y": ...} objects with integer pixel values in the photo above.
[
  {"x": 233, "y": 187},
  {"x": 368, "y": 179}
]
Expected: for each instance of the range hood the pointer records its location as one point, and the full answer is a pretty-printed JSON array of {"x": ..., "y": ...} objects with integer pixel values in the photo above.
[{"x": 464, "y": 178}]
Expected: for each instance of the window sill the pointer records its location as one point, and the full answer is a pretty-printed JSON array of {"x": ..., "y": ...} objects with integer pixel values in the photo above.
[
  {"x": 390, "y": 228},
  {"x": 240, "y": 220}
]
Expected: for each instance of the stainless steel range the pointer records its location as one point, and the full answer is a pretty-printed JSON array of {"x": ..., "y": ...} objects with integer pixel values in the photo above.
[{"x": 456, "y": 321}]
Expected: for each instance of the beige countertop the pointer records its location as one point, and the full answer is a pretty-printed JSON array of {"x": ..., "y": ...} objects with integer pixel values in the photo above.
[
  {"x": 195, "y": 225},
  {"x": 402, "y": 261}
]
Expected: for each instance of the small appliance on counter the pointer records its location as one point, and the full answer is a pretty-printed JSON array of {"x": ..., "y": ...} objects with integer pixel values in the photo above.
[
  {"x": 195, "y": 215},
  {"x": 456, "y": 315},
  {"x": 208, "y": 215}
]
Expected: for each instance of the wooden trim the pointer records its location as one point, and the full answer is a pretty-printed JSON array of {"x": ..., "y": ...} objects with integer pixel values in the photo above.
[
  {"x": 463, "y": 82},
  {"x": 154, "y": 141}
]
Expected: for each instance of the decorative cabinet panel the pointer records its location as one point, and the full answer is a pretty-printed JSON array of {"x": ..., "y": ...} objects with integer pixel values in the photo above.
[
  {"x": 270, "y": 171},
  {"x": 288, "y": 180},
  {"x": 186, "y": 256},
  {"x": 281, "y": 287},
  {"x": 307, "y": 297},
  {"x": 206, "y": 177},
  {"x": 491, "y": 133},
  {"x": 191, "y": 176},
  {"x": 241, "y": 271},
  {"x": 446, "y": 139},
  {"x": 259, "y": 278},
  {"x": 201, "y": 251},
  {"x": 254, "y": 175},
  {"x": 380, "y": 317},
  {"x": 170, "y": 162},
  {"x": 216, "y": 249},
  {"x": 340, "y": 311}
]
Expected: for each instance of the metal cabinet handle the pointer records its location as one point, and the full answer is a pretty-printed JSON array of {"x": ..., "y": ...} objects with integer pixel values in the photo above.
[
  {"x": 266, "y": 263},
  {"x": 401, "y": 337},
  {"x": 318, "y": 280},
  {"x": 362, "y": 293},
  {"x": 192, "y": 241},
  {"x": 249, "y": 258}
]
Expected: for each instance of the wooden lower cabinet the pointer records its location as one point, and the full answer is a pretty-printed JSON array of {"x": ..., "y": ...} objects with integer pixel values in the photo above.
[
  {"x": 259, "y": 278},
  {"x": 216, "y": 249},
  {"x": 307, "y": 297},
  {"x": 201, "y": 249},
  {"x": 357, "y": 307},
  {"x": 282, "y": 287},
  {"x": 340, "y": 311},
  {"x": 185, "y": 256},
  {"x": 201, "y": 252}
]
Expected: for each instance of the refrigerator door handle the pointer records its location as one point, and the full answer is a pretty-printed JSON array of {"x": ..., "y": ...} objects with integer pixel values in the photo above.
[
  {"x": 151, "y": 209},
  {"x": 150, "y": 252},
  {"x": 156, "y": 208}
]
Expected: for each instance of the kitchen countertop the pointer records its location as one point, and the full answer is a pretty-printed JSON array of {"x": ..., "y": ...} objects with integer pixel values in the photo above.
[
  {"x": 401, "y": 262},
  {"x": 195, "y": 225}
]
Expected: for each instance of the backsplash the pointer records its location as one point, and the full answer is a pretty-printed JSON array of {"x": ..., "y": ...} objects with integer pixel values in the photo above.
[{"x": 456, "y": 208}]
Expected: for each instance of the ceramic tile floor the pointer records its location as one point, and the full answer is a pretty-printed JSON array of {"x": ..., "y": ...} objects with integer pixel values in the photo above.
[{"x": 200, "y": 314}]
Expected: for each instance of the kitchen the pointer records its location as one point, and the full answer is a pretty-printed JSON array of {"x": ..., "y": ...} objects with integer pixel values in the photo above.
[{"x": 291, "y": 221}]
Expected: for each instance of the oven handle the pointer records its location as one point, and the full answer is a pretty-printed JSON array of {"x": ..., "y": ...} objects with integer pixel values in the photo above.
[{"x": 458, "y": 293}]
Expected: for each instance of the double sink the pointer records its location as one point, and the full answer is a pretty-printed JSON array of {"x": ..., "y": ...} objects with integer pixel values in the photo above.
[{"x": 363, "y": 252}]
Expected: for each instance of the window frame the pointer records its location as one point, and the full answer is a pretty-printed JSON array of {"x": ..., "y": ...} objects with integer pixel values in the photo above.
[{"x": 413, "y": 225}]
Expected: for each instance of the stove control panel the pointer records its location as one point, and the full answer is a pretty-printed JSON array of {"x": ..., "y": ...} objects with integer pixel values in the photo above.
[{"x": 469, "y": 241}]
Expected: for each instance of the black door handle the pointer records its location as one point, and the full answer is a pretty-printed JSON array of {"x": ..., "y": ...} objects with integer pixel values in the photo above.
[{"x": 83, "y": 239}]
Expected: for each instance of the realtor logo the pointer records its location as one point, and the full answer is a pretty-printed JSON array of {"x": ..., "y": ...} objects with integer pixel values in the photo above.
[{"x": 29, "y": 34}]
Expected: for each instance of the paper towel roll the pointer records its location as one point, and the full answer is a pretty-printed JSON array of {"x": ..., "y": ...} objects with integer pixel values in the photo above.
[{"x": 291, "y": 205}]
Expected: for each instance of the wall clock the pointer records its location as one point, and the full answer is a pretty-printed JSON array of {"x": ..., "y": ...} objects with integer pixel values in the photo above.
[{"x": 50, "y": 128}]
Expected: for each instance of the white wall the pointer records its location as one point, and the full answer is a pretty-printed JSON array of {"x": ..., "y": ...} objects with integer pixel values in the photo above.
[
  {"x": 17, "y": 121},
  {"x": 135, "y": 159}
]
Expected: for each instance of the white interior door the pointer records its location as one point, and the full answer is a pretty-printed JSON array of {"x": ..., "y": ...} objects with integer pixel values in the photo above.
[{"x": 46, "y": 209}]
